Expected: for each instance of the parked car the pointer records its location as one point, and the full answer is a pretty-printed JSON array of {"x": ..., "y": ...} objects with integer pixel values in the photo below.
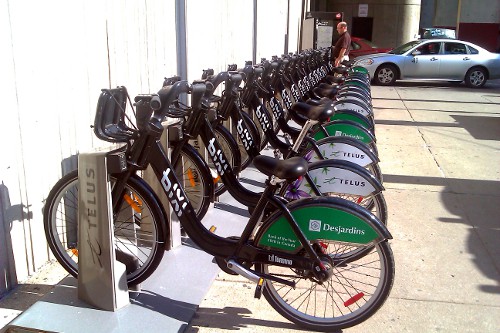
[
  {"x": 360, "y": 46},
  {"x": 434, "y": 59}
]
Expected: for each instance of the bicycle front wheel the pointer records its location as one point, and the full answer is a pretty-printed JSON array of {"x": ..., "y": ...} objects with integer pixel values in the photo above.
[
  {"x": 355, "y": 291},
  {"x": 138, "y": 227},
  {"x": 196, "y": 179},
  {"x": 232, "y": 153}
]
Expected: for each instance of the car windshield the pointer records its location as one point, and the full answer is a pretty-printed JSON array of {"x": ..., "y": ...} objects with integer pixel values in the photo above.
[
  {"x": 367, "y": 42},
  {"x": 405, "y": 47}
]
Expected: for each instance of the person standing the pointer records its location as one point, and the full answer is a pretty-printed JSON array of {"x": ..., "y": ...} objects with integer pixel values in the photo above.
[{"x": 342, "y": 46}]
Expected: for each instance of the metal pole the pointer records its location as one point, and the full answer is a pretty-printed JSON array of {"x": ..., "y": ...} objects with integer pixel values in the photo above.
[
  {"x": 459, "y": 12},
  {"x": 287, "y": 27},
  {"x": 254, "y": 41},
  {"x": 180, "y": 30}
]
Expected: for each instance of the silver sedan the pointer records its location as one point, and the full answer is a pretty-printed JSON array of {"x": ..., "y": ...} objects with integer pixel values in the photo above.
[{"x": 433, "y": 59}]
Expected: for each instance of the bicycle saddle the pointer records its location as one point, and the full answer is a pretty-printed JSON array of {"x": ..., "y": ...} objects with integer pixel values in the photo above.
[
  {"x": 320, "y": 101},
  {"x": 320, "y": 113},
  {"x": 329, "y": 92},
  {"x": 341, "y": 70},
  {"x": 334, "y": 79},
  {"x": 290, "y": 169}
]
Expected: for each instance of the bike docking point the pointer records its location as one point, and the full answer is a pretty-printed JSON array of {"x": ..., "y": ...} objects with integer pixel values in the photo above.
[
  {"x": 100, "y": 300},
  {"x": 102, "y": 280}
]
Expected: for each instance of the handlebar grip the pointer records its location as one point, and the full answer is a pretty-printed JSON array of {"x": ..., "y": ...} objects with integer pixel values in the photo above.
[
  {"x": 259, "y": 70},
  {"x": 236, "y": 78},
  {"x": 171, "y": 80},
  {"x": 216, "y": 80},
  {"x": 207, "y": 73},
  {"x": 155, "y": 103},
  {"x": 168, "y": 95},
  {"x": 198, "y": 90}
]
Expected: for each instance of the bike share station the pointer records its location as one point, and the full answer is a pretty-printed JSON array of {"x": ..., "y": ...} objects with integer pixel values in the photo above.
[{"x": 100, "y": 300}]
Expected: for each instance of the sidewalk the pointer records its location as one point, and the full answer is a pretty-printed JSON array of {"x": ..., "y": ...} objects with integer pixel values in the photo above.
[{"x": 439, "y": 147}]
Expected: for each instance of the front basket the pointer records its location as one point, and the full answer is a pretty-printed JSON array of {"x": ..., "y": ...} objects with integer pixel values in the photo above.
[{"x": 112, "y": 123}]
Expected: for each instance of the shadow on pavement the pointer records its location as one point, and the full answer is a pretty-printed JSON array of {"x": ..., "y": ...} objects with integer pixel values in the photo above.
[
  {"x": 471, "y": 210},
  {"x": 480, "y": 127},
  {"x": 232, "y": 318},
  {"x": 490, "y": 85}
]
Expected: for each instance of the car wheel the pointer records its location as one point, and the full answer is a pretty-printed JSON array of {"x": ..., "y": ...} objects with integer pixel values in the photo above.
[
  {"x": 386, "y": 75},
  {"x": 476, "y": 77}
]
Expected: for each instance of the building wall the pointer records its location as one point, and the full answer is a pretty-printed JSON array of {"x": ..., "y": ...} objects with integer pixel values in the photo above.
[
  {"x": 394, "y": 21},
  {"x": 476, "y": 22},
  {"x": 57, "y": 55}
]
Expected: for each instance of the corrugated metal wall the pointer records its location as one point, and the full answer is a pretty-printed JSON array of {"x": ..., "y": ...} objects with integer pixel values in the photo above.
[{"x": 57, "y": 55}]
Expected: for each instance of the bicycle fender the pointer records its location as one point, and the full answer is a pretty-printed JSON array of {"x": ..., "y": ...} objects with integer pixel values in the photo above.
[
  {"x": 355, "y": 117},
  {"x": 345, "y": 149},
  {"x": 344, "y": 177},
  {"x": 322, "y": 218},
  {"x": 353, "y": 105},
  {"x": 345, "y": 128}
]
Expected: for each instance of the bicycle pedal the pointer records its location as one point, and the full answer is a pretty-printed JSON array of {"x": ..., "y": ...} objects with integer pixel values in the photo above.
[{"x": 258, "y": 289}]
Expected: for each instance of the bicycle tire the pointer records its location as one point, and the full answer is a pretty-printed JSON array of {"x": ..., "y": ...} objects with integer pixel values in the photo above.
[
  {"x": 60, "y": 219},
  {"x": 355, "y": 292},
  {"x": 196, "y": 179}
]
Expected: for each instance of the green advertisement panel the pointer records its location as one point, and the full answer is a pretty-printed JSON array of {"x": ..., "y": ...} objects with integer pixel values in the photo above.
[
  {"x": 344, "y": 130},
  {"x": 326, "y": 223},
  {"x": 351, "y": 117}
]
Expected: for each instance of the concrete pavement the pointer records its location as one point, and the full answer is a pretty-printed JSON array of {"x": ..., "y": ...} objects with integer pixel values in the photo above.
[{"x": 439, "y": 147}]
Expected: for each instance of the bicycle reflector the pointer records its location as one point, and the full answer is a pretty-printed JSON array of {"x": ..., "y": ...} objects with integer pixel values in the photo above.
[{"x": 353, "y": 299}]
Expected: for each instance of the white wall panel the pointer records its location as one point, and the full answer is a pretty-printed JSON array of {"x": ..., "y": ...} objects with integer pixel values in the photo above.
[
  {"x": 271, "y": 28},
  {"x": 58, "y": 54},
  {"x": 54, "y": 62},
  {"x": 294, "y": 25},
  {"x": 219, "y": 33}
]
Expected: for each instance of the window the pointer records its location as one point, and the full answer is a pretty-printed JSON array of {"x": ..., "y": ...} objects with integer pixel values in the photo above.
[
  {"x": 473, "y": 50},
  {"x": 429, "y": 48},
  {"x": 355, "y": 46},
  {"x": 455, "y": 48}
]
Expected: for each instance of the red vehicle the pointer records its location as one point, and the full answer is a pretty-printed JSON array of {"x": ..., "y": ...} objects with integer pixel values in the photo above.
[{"x": 360, "y": 46}]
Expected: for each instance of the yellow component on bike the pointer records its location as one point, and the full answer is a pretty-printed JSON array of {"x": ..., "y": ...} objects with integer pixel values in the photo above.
[
  {"x": 258, "y": 290},
  {"x": 74, "y": 252},
  {"x": 216, "y": 179},
  {"x": 191, "y": 177},
  {"x": 134, "y": 203},
  {"x": 212, "y": 229}
]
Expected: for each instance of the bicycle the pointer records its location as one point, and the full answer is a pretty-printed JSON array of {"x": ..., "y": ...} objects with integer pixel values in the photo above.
[
  {"x": 287, "y": 254},
  {"x": 362, "y": 188},
  {"x": 352, "y": 119}
]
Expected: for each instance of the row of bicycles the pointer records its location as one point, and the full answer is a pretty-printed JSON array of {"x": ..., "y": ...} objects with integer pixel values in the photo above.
[{"x": 316, "y": 241}]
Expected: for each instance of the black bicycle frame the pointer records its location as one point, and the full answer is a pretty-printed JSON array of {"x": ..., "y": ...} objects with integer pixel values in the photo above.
[{"x": 148, "y": 150}]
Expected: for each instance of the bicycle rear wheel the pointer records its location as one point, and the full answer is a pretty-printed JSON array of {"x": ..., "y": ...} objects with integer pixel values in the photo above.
[
  {"x": 355, "y": 291},
  {"x": 138, "y": 227}
]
